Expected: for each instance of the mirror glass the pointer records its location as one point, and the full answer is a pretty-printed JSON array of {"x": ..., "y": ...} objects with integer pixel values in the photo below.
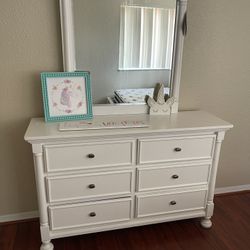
[{"x": 127, "y": 46}]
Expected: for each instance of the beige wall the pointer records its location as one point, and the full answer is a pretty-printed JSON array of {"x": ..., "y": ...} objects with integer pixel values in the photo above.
[
  {"x": 29, "y": 44},
  {"x": 216, "y": 78}
]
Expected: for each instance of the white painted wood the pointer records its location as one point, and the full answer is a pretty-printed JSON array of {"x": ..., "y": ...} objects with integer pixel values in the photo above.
[
  {"x": 210, "y": 204},
  {"x": 73, "y": 187},
  {"x": 35, "y": 214},
  {"x": 77, "y": 215},
  {"x": 181, "y": 11},
  {"x": 68, "y": 37},
  {"x": 154, "y": 178},
  {"x": 124, "y": 199},
  {"x": 165, "y": 149},
  {"x": 76, "y": 156},
  {"x": 127, "y": 224},
  {"x": 206, "y": 223},
  {"x": 38, "y": 162},
  {"x": 47, "y": 246},
  {"x": 182, "y": 122},
  {"x": 120, "y": 109},
  {"x": 41, "y": 196},
  {"x": 69, "y": 59},
  {"x": 174, "y": 189},
  {"x": 149, "y": 205}
]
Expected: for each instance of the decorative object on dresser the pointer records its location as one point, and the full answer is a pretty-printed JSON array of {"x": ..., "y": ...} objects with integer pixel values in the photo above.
[
  {"x": 104, "y": 122},
  {"x": 160, "y": 103},
  {"x": 161, "y": 173},
  {"x": 66, "y": 96}
]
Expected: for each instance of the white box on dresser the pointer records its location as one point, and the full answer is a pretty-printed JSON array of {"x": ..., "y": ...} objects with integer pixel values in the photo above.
[{"x": 96, "y": 180}]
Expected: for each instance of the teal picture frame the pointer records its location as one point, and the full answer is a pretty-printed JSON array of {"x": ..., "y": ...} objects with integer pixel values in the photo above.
[{"x": 66, "y": 96}]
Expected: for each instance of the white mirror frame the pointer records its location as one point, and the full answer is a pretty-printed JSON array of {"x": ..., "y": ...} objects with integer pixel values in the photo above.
[{"x": 69, "y": 59}]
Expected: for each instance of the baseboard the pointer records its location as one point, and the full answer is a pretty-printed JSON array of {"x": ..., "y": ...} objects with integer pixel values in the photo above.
[
  {"x": 232, "y": 189},
  {"x": 19, "y": 216},
  {"x": 34, "y": 214}
]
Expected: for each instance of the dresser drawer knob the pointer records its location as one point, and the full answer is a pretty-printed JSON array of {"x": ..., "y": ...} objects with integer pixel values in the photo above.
[
  {"x": 91, "y": 156},
  {"x": 172, "y": 203},
  {"x": 92, "y": 214},
  {"x": 177, "y": 149},
  {"x": 175, "y": 176},
  {"x": 91, "y": 186}
]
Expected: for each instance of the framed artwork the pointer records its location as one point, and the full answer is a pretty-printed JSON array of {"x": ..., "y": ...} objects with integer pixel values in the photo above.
[{"x": 66, "y": 96}]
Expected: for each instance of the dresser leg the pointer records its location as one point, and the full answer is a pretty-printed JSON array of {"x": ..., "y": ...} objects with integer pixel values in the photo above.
[
  {"x": 206, "y": 222},
  {"x": 47, "y": 246}
]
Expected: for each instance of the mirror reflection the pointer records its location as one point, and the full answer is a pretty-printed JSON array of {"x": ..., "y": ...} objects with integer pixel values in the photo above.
[
  {"x": 146, "y": 37},
  {"x": 126, "y": 45}
]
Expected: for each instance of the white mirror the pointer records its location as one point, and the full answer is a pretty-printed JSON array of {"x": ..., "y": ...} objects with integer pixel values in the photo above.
[{"x": 127, "y": 45}]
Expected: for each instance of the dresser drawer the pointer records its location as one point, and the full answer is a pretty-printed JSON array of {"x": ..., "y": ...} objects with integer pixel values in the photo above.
[
  {"x": 163, "y": 177},
  {"x": 87, "y": 214},
  {"x": 174, "y": 149},
  {"x": 72, "y": 187},
  {"x": 158, "y": 204},
  {"x": 80, "y": 156}
]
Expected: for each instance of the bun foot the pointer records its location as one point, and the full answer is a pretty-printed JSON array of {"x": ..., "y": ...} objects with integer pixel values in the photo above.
[
  {"x": 206, "y": 223},
  {"x": 47, "y": 246}
]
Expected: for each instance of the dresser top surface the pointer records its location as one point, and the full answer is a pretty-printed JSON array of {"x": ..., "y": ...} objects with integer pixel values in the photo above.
[{"x": 185, "y": 121}]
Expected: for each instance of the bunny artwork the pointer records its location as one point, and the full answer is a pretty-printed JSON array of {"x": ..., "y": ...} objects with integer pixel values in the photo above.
[{"x": 160, "y": 104}]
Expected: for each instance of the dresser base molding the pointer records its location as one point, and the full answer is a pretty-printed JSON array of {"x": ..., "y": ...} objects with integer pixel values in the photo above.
[{"x": 93, "y": 181}]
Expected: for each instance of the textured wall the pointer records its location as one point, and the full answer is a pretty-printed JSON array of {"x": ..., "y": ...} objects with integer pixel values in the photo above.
[
  {"x": 29, "y": 44},
  {"x": 216, "y": 78}
]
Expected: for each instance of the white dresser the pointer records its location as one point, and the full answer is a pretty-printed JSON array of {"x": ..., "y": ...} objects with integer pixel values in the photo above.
[{"x": 96, "y": 180}]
